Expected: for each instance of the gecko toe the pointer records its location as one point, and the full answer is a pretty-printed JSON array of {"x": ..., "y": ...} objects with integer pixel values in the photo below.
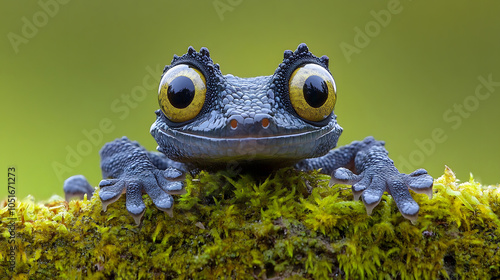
[
  {"x": 405, "y": 203},
  {"x": 134, "y": 204},
  {"x": 420, "y": 182},
  {"x": 111, "y": 190},
  {"x": 173, "y": 174},
  {"x": 373, "y": 194},
  {"x": 168, "y": 186},
  {"x": 359, "y": 187},
  {"x": 343, "y": 176},
  {"x": 176, "y": 187},
  {"x": 160, "y": 198}
]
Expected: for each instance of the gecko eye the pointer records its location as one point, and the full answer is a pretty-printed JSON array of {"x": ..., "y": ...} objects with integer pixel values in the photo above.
[
  {"x": 182, "y": 93},
  {"x": 312, "y": 92}
]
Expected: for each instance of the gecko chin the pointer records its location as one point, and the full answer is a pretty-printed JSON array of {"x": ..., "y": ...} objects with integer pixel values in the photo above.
[{"x": 272, "y": 151}]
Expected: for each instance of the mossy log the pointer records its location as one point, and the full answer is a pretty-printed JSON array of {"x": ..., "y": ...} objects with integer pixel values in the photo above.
[{"x": 290, "y": 225}]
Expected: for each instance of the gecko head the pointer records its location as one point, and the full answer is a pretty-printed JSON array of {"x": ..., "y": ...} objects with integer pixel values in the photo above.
[{"x": 207, "y": 118}]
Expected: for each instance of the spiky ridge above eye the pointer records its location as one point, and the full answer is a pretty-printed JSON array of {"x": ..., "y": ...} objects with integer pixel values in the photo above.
[
  {"x": 182, "y": 93},
  {"x": 312, "y": 92}
]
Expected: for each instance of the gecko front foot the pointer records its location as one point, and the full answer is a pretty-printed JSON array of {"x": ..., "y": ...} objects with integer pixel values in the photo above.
[
  {"x": 129, "y": 169},
  {"x": 379, "y": 175},
  {"x": 154, "y": 182}
]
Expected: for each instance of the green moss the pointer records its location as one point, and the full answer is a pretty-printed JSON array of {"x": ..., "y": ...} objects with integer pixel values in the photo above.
[{"x": 291, "y": 225}]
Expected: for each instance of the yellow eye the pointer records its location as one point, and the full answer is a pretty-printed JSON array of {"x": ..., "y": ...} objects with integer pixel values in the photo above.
[
  {"x": 312, "y": 92},
  {"x": 182, "y": 93}
]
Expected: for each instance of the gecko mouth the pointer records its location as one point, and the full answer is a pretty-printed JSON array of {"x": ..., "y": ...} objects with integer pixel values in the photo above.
[{"x": 275, "y": 149}]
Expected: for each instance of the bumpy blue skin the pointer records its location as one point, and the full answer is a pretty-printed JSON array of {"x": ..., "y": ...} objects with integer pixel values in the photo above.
[{"x": 210, "y": 142}]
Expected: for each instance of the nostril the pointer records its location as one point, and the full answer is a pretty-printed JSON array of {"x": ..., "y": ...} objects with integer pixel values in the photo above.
[
  {"x": 255, "y": 123},
  {"x": 234, "y": 124},
  {"x": 265, "y": 122}
]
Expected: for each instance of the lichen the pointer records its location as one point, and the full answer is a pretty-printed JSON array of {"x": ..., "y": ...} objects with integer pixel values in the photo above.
[{"x": 290, "y": 225}]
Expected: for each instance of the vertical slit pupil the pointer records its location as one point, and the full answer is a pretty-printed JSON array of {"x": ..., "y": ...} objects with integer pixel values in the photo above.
[
  {"x": 315, "y": 91},
  {"x": 180, "y": 92}
]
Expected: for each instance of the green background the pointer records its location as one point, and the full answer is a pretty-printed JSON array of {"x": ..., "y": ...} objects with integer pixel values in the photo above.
[{"x": 81, "y": 62}]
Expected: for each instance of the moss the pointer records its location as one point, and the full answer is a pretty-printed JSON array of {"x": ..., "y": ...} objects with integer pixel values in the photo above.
[{"x": 291, "y": 225}]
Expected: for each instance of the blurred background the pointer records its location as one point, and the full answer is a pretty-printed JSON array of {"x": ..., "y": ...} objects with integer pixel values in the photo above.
[{"x": 423, "y": 76}]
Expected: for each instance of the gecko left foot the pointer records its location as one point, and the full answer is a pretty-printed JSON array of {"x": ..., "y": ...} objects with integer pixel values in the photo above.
[
  {"x": 156, "y": 183},
  {"x": 379, "y": 175}
]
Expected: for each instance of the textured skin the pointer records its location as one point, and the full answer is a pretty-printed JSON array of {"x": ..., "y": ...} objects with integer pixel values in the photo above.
[{"x": 251, "y": 123}]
